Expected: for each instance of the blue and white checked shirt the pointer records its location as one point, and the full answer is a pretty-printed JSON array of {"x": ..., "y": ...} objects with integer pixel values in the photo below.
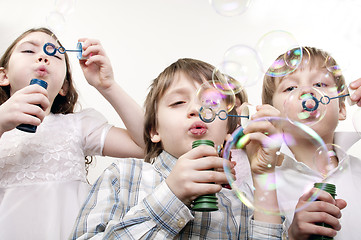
[{"x": 132, "y": 201}]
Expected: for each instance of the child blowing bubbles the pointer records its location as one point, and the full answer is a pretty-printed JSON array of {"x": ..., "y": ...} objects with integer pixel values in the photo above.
[
  {"x": 136, "y": 200},
  {"x": 42, "y": 174},
  {"x": 298, "y": 167}
]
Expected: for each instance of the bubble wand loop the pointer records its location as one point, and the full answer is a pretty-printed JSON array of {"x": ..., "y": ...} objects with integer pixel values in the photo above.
[
  {"x": 207, "y": 115},
  {"x": 50, "y": 50},
  {"x": 307, "y": 97}
]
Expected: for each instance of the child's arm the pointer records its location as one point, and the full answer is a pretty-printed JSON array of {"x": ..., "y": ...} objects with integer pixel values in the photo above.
[
  {"x": 262, "y": 161},
  {"x": 22, "y": 107},
  {"x": 326, "y": 210},
  {"x": 98, "y": 71}
]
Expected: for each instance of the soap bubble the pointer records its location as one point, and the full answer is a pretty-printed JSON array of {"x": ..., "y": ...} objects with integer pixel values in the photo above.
[
  {"x": 248, "y": 62},
  {"x": 304, "y": 105},
  {"x": 230, "y": 8},
  {"x": 211, "y": 98},
  {"x": 279, "y": 52}
]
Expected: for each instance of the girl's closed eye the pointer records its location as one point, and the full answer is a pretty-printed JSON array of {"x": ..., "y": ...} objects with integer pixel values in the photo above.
[
  {"x": 27, "y": 51},
  {"x": 58, "y": 57}
]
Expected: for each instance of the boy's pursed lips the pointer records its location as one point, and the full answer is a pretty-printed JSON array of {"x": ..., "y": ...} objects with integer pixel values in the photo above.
[{"x": 198, "y": 128}]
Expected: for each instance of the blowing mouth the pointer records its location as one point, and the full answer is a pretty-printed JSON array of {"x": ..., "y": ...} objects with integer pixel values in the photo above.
[
  {"x": 198, "y": 128},
  {"x": 41, "y": 71}
]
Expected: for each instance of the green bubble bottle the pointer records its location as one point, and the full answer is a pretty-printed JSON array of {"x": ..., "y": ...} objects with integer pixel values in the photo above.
[
  {"x": 205, "y": 203},
  {"x": 331, "y": 189}
]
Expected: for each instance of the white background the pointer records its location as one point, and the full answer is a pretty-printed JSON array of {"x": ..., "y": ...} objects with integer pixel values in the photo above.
[{"x": 142, "y": 37}]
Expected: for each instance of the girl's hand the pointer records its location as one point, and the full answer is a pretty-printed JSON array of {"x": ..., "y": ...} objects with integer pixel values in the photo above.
[
  {"x": 22, "y": 108},
  {"x": 356, "y": 96},
  {"x": 97, "y": 68}
]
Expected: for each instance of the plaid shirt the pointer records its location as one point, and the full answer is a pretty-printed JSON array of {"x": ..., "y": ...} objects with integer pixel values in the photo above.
[{"x": 132, "y": 201}]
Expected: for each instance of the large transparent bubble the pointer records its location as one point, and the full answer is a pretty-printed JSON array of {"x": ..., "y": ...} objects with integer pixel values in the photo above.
[{"x": 281, "y": 140}]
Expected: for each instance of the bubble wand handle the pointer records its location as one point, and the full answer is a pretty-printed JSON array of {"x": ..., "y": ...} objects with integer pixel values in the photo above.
[
  {"x": 27, "y": 127},
  {"x": 205, "y": 203}
]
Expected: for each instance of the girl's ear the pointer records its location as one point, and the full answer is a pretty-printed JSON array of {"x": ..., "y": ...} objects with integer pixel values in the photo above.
[
  {"x": 154, "y": 136},
  {"x": 4, "y": 81},
  {"x": 65, "y": 88},
  {"x": 342, "y": 111}
]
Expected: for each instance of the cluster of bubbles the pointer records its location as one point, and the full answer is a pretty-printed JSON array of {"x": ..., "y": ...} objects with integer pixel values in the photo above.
[{"x": 276, "y": 56}]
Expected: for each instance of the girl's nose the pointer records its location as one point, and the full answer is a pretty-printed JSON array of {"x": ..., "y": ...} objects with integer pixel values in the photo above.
[{"x": 43, "y": 59}]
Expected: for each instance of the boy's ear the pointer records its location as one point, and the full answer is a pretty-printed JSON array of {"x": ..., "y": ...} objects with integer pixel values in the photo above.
[
  {"x": 342, "y": 112},
  {"x": 154, "y": 136},
  {"x": 4, "y": 81},
  {"x": 65, "y": 88}
]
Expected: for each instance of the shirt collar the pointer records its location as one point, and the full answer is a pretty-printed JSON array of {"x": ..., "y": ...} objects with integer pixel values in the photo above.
[
  {"x": 164, "y": 163},
  {"x": 342, "y": 139}
]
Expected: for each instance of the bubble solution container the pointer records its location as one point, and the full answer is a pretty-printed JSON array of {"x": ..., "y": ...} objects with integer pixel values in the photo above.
[
  {"x": 331, "y": 189},
  {"x": 27, "y": 127},
  {"x": 205, "y": 203}
]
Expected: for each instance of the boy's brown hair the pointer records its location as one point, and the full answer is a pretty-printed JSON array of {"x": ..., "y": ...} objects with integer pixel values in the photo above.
[
  {"x": 197, "y": 70},
  {"x": 62, "y": 104},
  {"x": 312, "y": 58}
]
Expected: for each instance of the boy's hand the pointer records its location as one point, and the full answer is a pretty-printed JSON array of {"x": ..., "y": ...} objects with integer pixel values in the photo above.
[
  {"x": 22, "y": 107},
  {"x": 97, "y": 68},
  {"x": 326, "y": 210},
  {"x": 192, "y": 176},
  {"x": 261, "y": 149},
  {"x": 356, "y": 96}
]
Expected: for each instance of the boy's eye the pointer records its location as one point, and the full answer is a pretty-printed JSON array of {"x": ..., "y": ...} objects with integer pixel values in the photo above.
[
  {"x": 177, "y": 103},
  {"x": 290, "y": 89},
  {"x": 320, "y": 84}
]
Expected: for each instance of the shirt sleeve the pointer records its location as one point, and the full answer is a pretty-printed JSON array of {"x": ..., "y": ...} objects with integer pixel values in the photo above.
[
  {"x": 94, "y": 128},
  {"x": 118, "y": 207}
]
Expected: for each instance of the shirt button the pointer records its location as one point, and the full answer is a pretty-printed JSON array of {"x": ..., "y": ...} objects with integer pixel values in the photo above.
[{"x": 181, "y": 222}]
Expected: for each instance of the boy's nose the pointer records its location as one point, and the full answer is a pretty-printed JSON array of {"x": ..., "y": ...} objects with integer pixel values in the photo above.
[{"x": 193, "y": 110}]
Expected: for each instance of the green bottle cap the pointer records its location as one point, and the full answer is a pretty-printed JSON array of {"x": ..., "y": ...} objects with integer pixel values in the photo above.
[{"x": 202, "y": 142}]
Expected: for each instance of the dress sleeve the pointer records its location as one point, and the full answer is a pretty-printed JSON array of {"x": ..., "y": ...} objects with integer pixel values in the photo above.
[{"x": 94, "y": 128}]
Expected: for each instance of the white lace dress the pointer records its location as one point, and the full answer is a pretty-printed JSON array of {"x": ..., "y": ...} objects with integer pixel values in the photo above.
[{"x": 42, "y": 175}]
